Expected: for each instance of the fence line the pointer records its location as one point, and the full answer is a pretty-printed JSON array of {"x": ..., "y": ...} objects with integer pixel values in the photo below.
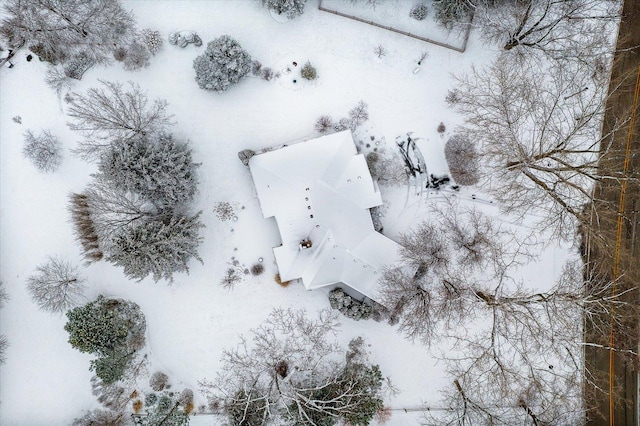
[{"x": 405, "y": 33}]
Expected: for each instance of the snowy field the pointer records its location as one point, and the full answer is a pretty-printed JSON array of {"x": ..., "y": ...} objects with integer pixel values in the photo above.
[{"x": 44, "y": 381}]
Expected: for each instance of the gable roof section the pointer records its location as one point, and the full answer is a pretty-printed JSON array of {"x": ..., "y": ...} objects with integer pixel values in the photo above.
[{"x": 320, "y": 190}]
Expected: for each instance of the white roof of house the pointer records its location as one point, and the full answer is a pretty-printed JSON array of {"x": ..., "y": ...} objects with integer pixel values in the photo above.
[{"x": 320, "y": 190}]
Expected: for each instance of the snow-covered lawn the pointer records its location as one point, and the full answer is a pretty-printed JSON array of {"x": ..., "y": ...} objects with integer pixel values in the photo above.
[{"x": 44, "y": 380}]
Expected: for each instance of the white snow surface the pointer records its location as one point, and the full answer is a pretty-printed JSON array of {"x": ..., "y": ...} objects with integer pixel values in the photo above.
[{"x": 46, "y": 382}]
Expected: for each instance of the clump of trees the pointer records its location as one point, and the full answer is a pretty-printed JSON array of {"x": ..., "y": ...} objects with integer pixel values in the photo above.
[
  {"x": 290, "y": 371},
  {"x": 223, "y": 64},
  {"x": 112, "y": 329},
  {"x": 358, "y": 115},
  {"x": 44, "y": 150},
  {"x": 59, "y": 31},
  {"x": 135, "y": 213},
  {"x": 289, "y": 8},
  {"x": 56, "y": 286}
]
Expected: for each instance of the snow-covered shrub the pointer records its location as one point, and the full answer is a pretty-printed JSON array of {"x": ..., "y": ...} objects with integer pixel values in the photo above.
[
  {"x": 267, "y": 74},
  {"x": 462, "y": 158},
  {"x": 158, "y": 381},
  {"x": 119, "y": 54},
  {"x": 324, "y": 123},
  {"x": 245, "y": 155},
  {"x": 358, "y": 114},
  {"x": 348, "y": 306},
  {"x": 289, "y": 8},
  {"x": 100, "y": 417},
  {"x": 257, "y": 269},
  {"x": 56, "y": 286},
  {"x": 84, "y": 228},
  {"x": 158, "y": 248},
  {"x": 223, "y": 210},
  {"x": 166, "y": 411},
  {"x": 137, "y": 56},
  {"x": 152, "y": 39},
  {"x": 441, "y": 128},
  {"x": 78, "y": 65},
  {"x": 156, "y": 167},
  {"x": 256, "y": 67},
  {"x": 223, "y": 63},
  {"x": 44, "y": 151},
  {"x": 308, "y": 72},
  {"x": 184, "y": 38},
  {"x": 453, "y": 97},
  {"x": 341, "y": 125},
  {"x": 419, "y": 11}
]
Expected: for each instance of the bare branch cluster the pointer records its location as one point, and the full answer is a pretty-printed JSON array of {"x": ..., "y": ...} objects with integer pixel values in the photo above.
[
  {"x": 56, "y": 286},
  {"x": 45, "y": 150}
]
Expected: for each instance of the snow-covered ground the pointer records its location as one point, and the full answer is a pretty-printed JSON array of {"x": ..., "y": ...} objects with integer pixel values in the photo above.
[{"x": 44, "y": 380}]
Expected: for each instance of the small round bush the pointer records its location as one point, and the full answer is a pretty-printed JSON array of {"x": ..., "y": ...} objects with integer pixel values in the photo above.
[
  {"x": 309, "y": 72},
  {"x": 419, "y": 12},
  {"x": 462, "y": 158},
  {"x": 158, "y": 381},
  {"x": 223, "y": 64},
  {"x": 257, "y": 269}
]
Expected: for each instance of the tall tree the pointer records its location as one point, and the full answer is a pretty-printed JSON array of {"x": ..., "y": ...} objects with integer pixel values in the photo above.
[
  {"x": 223, "y": 64},
  {"x": 290, "y": 372},
  {"x": 112, "y": 112},
  {"x": 59, "y": 29},
  {"x": 56, "y": 286}
]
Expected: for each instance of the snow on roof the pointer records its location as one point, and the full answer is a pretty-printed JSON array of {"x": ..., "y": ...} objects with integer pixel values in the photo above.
[{"x": 320, "y": 191}]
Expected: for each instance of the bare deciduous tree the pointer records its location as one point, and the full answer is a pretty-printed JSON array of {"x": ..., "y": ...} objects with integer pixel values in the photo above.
[
  {"x": 45, "y": 150},
  {"x": 291, "y": 370},
  {"x": 560, "y": 29},
  {"x": 56, "y": 286},
  {"x": 112, "y": 112},
  {"x": 538, "y": 136},
  {"x": 58, "y": 29}
]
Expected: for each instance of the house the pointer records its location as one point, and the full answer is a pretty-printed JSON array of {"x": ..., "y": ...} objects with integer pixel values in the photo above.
[{"x": 320, "y": 191}]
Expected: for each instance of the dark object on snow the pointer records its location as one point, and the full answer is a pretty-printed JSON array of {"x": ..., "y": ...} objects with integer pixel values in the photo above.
[
  {"x": 413, "y": 159},
  {"x": 436, "y": 182},
  {"x": 29, "y": 58}
]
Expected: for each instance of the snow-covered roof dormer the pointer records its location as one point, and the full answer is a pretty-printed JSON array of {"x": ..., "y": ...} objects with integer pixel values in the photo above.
[{"x": 320, "y": 192}]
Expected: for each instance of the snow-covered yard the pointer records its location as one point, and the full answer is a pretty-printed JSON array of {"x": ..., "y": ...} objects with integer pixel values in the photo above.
[{"x": 44, "y": 381}]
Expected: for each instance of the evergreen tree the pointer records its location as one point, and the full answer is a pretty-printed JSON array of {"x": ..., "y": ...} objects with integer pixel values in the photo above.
[
  {"x": 166, "y": 411},
  {"x": 156, "y": 167},
  {"x": 223, "y": 63},
  {"x": 157, "y": 247},
  {"x": 113, "y": 329}
]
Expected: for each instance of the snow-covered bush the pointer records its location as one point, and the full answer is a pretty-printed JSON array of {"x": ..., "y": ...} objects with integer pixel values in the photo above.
[
  {"x": 184, "y": 38},
  {"x": 289, "y": 8},
  {"x": 158, "y": 247},
  {"x": 78, "y": 65},
  {"x": 223, "y": 210},
  {"x": 324, "y": 123},
  {"x": 152, "y": 39},
  {"x": 462, "y": 158},
  {"x": 358, "y": 114},
  {"x": 158, "y": 381},
  {"x": 245, "y": 155},
  {"x": 343, "y": 124},
  {"x": 257, "y": 269},
  {"x": 56, "y": 286},
  {"x": 167, "y": 410},
  {"x": 223, "y": 63},
  {"x": 156, "y": 167},
  {"x": 44, "y": 151},
  {"x": 100, "y": 417},
  {"x": 419, "y": 11},
  {"x": 348, "y": 306},
  {"x": 137, "y": 56},
  {"x": 308, "y": 72}
]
